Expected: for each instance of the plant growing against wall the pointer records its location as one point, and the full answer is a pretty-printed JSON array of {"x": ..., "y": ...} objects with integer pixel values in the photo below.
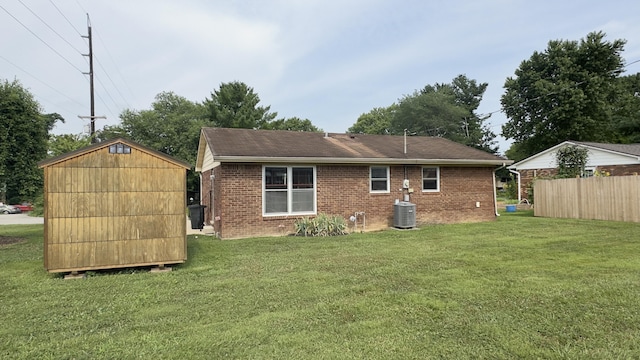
[
  {"x": 321, "y": 225},
  {"x": 571, "y": 161},
  {"x": 511, "y": 188}
]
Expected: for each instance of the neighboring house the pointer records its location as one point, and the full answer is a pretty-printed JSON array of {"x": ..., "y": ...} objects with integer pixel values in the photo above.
[
  {"x": 257, "y": 182},
  {"x": 610, "y": 159},
  {"x": 111, "y": 205}
]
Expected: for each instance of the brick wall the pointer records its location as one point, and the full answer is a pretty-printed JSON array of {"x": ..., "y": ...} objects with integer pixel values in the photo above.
[
  {"x": 344, "y": 190},
  {"x": 527, "y": 177},
  {"x": 621, "y": 170}
]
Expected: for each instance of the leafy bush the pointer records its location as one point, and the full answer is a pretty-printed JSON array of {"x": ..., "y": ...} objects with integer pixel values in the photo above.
[
  {"x": 38, "y": 206},
  {"x": 571, "y": 161},
  {"x": 321, "y": 225}
]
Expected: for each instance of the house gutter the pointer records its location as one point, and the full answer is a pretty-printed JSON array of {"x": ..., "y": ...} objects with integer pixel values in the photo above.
[
  {"x": 518, "y": 176},
  {"x": 495, "y": 192},
  {"x": 367, "y": 161}
]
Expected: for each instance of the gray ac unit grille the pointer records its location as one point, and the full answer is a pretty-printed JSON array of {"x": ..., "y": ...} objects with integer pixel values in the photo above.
[{"x": 404, "y": 215}]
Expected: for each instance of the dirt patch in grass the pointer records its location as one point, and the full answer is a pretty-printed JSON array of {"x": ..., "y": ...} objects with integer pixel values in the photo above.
[{"x": 8, "y": 240}]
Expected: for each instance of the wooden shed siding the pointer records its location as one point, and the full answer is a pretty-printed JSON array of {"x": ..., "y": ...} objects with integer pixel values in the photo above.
[{"x": 107, "y": 210}]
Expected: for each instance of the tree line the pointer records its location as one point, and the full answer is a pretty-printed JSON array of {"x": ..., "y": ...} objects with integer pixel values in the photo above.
[{"x": 573, "y": 90}]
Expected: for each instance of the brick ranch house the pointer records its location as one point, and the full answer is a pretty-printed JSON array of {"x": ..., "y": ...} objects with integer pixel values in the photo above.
[
  {"x": 257, "y": 182},
  {"x": 613, "y": 159}
]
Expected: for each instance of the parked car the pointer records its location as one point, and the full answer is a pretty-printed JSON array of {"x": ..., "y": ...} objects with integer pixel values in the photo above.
[
  {"x": 24, "y": 207},
  {"x": 9, "y": 209}
]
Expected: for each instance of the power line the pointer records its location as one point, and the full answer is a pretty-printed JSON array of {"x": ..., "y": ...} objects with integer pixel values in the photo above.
[
  {"x": 549, "y": 94},
  {"x": 56, "y": 52},
  {"x": 40, "y": 81},
  {"x": 68, "y": 22},
  {"x": 39, "y": 38},
  {"x": 84, "y": 37},
  {"x": 56, "y": 105},
  {"x": 50, "y": 28},
  {"x": 108, "y": 94},
  {"x": 112, "y": 83},
  {"x": 117, "y": 71}
]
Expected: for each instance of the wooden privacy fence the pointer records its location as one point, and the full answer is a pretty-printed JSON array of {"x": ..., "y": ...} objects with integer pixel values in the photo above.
[{"x": 614, "y": 198}]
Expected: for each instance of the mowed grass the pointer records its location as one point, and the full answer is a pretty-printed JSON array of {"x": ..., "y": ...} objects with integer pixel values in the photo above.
[{"x": 519, "y": 287}]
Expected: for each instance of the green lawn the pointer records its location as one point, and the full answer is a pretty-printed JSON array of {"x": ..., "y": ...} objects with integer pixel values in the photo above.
[{"x": 519, "y": 287}]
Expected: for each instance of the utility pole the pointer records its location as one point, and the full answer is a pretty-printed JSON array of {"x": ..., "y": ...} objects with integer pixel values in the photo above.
[{"x": 93, "y": 116}]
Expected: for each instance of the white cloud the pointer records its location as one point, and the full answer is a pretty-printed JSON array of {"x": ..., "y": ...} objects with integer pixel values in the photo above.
[{"x": 326, "y": 60}]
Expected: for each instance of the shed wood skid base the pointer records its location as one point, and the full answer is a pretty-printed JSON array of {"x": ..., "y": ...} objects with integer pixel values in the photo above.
[
  {"x": 74, "y": 275},
  {"x": 154, "y": 265}
]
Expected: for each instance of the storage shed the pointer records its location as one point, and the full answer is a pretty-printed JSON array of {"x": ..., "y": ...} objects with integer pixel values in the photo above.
[{"x": 111, "y": 205}]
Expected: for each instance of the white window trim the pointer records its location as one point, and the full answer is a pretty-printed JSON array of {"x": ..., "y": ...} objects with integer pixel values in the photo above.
[
  {"x": 289, "y": 191},
  {"x": 437, "y": 189},
  {"x": 588, "y": 169},
  {"x": 371, "y": 179}
]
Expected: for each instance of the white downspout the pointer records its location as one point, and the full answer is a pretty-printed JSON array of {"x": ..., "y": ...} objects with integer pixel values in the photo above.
[
  {"x": 519, "y": 188},
  {"x": 495, "y": 193}
]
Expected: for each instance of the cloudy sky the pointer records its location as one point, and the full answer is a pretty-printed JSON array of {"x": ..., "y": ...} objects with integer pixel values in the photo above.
[{"x": 325, "y": 60}]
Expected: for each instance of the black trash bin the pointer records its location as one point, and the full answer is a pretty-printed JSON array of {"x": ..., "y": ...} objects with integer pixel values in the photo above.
[{"x": 196, "y": 214}]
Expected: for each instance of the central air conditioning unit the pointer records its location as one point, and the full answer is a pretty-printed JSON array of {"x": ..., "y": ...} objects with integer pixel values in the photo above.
[{"x": 404, "y": 215}]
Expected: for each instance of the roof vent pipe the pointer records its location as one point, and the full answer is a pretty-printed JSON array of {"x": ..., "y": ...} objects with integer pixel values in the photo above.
[
  {"x": 405, "y": 141},
  {"x": 326, "y": 134}
]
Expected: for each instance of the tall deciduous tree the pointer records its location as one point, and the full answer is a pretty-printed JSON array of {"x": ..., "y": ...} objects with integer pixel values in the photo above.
[
  {"x": 429, "y": 113},
  {"x": 566, "y": 92},
  {"x": 64, "y": 143},
  {"x": 293, "y": 124},
  {"x": 627, "y": 109},
  {"x": 24, "y": 132},
  {"x": 467, "y": 94},
  {"x": 376, "y": 121},
  {"x": 235, "y": 105},
  {"x": 444, "y": 110},
  {"x": 171, "y": 126}
]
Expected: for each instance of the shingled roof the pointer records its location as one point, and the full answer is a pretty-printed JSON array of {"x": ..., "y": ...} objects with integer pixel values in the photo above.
[
  {"x": 629, "y": 149},
  {"x": 260, "y": 146}
]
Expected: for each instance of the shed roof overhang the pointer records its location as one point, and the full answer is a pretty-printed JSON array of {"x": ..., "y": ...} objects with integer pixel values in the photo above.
[{"x": 107, "y": 143}]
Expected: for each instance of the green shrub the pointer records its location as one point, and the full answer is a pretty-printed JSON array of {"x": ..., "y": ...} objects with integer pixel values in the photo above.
[
  {"x": 321, "y": 225},
  {"x": 38, "y": 206},
  {"x": 511, "y": 189}
]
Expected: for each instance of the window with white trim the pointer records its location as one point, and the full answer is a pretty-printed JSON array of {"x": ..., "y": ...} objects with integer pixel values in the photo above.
[
  {"x": 289, "y": 190},
  {"x": 431, "y": 179},
  {"x": 379, "y": 179},
  {"x": 589, "y": 171}
]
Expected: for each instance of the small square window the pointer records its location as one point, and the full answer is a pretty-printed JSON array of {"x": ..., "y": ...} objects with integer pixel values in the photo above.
[
  {"x": 119, "y": 148},
  {"x": 379, "y": 179},
  {"x": 431, "y": 179}
]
